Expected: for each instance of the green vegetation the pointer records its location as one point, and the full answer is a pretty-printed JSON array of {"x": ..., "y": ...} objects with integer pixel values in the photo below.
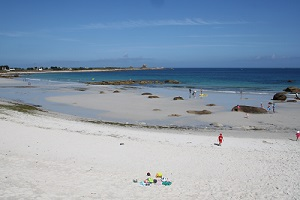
[
  {"x": 6, "y": 68},
  {"x": 20, "y": 108}
]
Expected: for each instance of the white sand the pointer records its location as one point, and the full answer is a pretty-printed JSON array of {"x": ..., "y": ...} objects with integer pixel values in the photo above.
[
  {"x": 130, "y": 106},
  {"x": 46, "y": 156}
]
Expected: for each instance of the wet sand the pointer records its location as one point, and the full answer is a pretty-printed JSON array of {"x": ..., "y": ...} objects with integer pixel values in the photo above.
[{"x": 48, "y": 155}]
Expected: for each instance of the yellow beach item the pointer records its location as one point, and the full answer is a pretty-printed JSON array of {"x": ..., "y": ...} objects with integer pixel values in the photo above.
[{"x": 158, "y": 175}]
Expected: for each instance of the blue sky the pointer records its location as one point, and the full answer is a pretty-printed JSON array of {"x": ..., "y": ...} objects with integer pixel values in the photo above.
[{"x": 159, "y": 33}]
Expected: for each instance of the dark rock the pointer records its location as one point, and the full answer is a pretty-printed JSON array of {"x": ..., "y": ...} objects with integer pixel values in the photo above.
[
  {"x": 200, "y": 112},
  {"x": 156, "y": 109},
  {"x": 293, "y": 100},
  {"x": 211, "y": 104},
  {"x": 130, "y": 82},
  {"x": 292, "y": 89},
  {"x": 216, "y": 124},
  {"x": 174, "y": 115},
  {"x": 153, "y": 97},
  {"x": 172, "y": 81},
  {"x": 116, "y": 91},
  {"x": 178, "y": 98},
  {"x": 147, "y": 93},
  {"x": 81, "y": 89},
  {"x": 279, "y": 96},
  {"x": 249, "y": 109}
]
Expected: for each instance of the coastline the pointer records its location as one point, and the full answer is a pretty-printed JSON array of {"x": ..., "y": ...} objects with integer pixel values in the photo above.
[
  {"x": 20, "y": 72},
  {"x": 50, "y": 155},
  {"x": 46, "y": 156},
  {"x": 128, "y": 105}
]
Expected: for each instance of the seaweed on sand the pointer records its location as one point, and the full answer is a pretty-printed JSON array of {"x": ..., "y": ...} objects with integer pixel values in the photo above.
[{"x": 20, "y": 107}]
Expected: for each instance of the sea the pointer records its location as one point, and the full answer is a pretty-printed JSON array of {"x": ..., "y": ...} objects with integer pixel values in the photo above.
[
  {"x": 227, "y": 80},
  {"x": 226, "y": 87}
]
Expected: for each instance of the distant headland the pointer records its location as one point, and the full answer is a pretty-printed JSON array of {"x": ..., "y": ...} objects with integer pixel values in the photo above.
[{"x": 7, "y": 72}]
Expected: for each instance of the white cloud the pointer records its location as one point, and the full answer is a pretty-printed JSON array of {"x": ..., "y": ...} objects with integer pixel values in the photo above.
[
  {"x": 146, "y": 23},
  {"x": 14, "y": 34},
  {"x": 68, "y": 40}
]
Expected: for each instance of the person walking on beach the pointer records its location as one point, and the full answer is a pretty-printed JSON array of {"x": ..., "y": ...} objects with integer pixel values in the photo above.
[
  {"x": 297, "y": 135},
  {"x": 273, "y": 106},
  {"x": 241, "y": 92},
  {"x": 221, "y": 139},
  {"x": 269, "y": 108}
]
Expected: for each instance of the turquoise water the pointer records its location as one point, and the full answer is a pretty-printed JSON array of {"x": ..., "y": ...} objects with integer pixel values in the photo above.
[
  {"x": 225, "y": 87},
  {"x": 254, "y": 80}
]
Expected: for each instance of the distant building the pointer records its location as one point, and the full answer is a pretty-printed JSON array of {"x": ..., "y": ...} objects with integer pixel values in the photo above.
[
  {"x": 4, "y": 68},
  {"x": 144, "y": 66}
]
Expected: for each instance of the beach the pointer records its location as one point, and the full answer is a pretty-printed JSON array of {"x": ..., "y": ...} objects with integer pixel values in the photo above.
[{"x": 53, "y": 155}]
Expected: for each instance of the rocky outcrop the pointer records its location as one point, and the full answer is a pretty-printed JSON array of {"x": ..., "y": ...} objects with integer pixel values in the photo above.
[
  {"x": 249, "y": 109},
  {"x": 178, "y": 98},
  {"x": 200, "y": 112},
  {"x": 153, "y": 97},
  {"x": 172, "y": 82},
  {"x": 279, "y": 96},
  {"x": 132, "y": 82},
  {"x": 292, "y": 89},
  {"x": 146, "y": 93}
]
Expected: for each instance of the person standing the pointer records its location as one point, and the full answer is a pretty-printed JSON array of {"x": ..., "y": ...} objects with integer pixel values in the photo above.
[
  {"x": 273, "y": 106},
  {"x": 297, "y": 135},
  {"x": 269, "y": 108},
  {"x": 221, "y": 139}
]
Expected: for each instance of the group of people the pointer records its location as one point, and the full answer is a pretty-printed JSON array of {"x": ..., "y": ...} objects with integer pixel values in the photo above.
[
  {"x": 269, "y": 107},
  {"x": 194, "y": 92}
]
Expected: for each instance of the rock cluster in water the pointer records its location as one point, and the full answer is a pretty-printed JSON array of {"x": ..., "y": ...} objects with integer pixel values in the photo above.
[{"x": 132, "y": 82}]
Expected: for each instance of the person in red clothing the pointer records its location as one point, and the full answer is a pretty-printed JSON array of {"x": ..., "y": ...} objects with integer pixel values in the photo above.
[
  {"x": 220, "y": 139},
  {"x": 297, "y": 135}
]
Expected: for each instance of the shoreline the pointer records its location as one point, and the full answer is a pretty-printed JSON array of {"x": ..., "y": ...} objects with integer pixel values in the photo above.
[
  {"x": 75, "y": 70},
  {"x": 236, "y": 132},
  {"x": 50, "y": 155},
  {"x": 128, "y": 107}
]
